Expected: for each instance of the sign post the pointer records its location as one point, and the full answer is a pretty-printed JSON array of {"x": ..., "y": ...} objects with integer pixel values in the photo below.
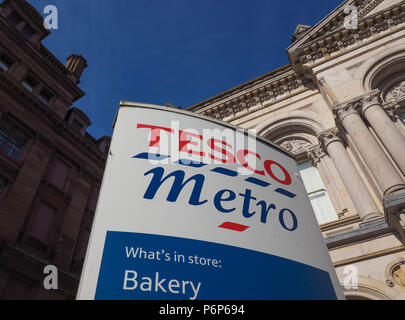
[{"x": 193, "y": 208}]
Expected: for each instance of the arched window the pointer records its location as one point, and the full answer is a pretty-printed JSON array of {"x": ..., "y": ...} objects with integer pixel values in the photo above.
[
  {"x": 298, "y": 135},
  {"x": 320, "y": 201}
]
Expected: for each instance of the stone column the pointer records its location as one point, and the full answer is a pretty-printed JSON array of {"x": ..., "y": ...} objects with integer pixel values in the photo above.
[
  {"x": 318, "y": 158},
  {"x": 362, "y": 200},
  {"x": 387, "y": 177},
  {"x": 17, "y": 205},
  {"x": 72, "y": 221},
  {"x": 388, "y": 133}
]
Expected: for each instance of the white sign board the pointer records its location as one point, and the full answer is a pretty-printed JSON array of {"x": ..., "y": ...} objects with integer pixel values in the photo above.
[{"x": 193, "y": 208}]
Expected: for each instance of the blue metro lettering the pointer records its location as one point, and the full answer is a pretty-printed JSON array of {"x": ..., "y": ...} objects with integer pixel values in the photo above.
[
  {"x": 265, "y": 211},
  {"x": 246, "y": 203},
  {"x": 218, "y": 199},
  {"x": 177, "y": 186},
  {"x": 285, "y": 216}
]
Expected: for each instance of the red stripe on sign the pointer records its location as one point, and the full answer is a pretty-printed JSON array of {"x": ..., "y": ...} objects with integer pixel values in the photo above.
[{"x": 233, "y": 226}]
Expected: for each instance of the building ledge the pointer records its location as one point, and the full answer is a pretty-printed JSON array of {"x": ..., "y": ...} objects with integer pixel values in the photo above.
[{"x": 366, "y": 231}]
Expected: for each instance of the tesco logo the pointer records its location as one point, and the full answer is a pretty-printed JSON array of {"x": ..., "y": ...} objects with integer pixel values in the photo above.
[
  {"x": 210, "y": 150},
  {"x": 201, "y": 151}
]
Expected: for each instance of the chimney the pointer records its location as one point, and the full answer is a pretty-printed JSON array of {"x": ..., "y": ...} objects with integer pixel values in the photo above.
[{"x": 75, "y": 65}]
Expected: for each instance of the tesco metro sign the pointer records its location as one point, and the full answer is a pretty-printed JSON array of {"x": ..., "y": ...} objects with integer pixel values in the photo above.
[
  {"x": 223, "y": 200},
  {"x": 194, "y": 208}
]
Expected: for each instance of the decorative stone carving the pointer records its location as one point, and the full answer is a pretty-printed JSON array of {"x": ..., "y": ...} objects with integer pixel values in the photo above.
[
  {"x": 396, "y": 92},
  {"x": 330, "y": 136},
  {"x": 344, "y": 110},
  {"x": 333, "y": 36},
  {"x": 395, "y": 273},
  {"x": 392, "y": 108},
  {"x": 228, "y": 105},
  {"x": 296, "y": 146},
  {"x": 315, "y": 154},
  {"x": 372, "y": 98}
]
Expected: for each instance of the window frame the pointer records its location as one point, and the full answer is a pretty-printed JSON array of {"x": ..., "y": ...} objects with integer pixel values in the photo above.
[
  {"x": 26, "y": 83},
  {"x": 52, "y": 172},
  {"x": 318, "y": 191},
  {"x": 18, "y": 18},
  {"x": 11, "y": 62},
  {"x": 43, "y": 98},
  {"x": 12, "y": 130}
]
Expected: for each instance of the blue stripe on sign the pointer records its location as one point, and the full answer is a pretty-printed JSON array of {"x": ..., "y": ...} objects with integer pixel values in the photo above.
[
  {"x": 150, "y": 156},
  {"x": 191, "y": 269},
  {"x": 191, "y": 163},
  {"x": 258, "y": 182},
  {"x": 285, "y": 192},
  {"x": 226, "y": 172}
]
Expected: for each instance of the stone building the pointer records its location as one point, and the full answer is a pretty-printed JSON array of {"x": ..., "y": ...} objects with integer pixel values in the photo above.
[
  {"x": 339, "y": 106},
  {"x": 50, "y": 167}
]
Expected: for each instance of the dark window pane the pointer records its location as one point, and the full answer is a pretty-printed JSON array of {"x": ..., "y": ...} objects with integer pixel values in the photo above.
[
  {"x": 11, "y": 140},
  {"x": 45, "y": 95},
  {"x": 30, "y": 83},
  {"x": 5, "y": 62},
  {"x": 60, "y": 173},
  {"x": 14, "y": 18},
  {"x": 42, "y": 222},
  {"x": 403, "y": 118},
  {"x": 27, "y": 31}
]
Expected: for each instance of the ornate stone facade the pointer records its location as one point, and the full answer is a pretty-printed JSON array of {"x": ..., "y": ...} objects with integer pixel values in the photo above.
[{"x": 340, "y": 104}]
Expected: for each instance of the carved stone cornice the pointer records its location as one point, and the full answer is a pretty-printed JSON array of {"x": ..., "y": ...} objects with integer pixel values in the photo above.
[
  {"x": 315, "y": 154},
  {"x": 332, "y": 37},
  {"x": 329, "y": 136},
  {"x": 250, "y": 96}
]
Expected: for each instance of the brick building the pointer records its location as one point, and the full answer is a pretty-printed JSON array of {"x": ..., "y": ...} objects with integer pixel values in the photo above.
[{"x": 50, "y": 167}]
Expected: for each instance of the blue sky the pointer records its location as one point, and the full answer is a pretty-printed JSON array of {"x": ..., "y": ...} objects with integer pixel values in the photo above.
[{"x": 177, "y": 51}]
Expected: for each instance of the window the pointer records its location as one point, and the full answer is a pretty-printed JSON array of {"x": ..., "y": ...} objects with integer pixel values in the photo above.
[
  {"x": 42, "y": 222},
  {"x": 402, "y": 115},
  {"x": 14, "y": 18},
  {"x": 11, "y": 140},
  {"x": 45, "y": 96},
  {"x": 5, "y": 62},
  {"x": 59, "y": 175},
  {"x": 30, "y": 83},
  {"x": 317, "y": 194},
  {"x": 27, "y": 31}
]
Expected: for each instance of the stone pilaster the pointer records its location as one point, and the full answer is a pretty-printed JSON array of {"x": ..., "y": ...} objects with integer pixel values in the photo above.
[
  {"x": 319, "y": 159},
  {"x": 72, "y": 222},
  {"x": 362, "y": 200},
  {"x": 392, "y": 108},
  {"x": 386, "y": 130},
  {"x": 381, "y": 167},
  {"x": 16, "y": 207}
]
